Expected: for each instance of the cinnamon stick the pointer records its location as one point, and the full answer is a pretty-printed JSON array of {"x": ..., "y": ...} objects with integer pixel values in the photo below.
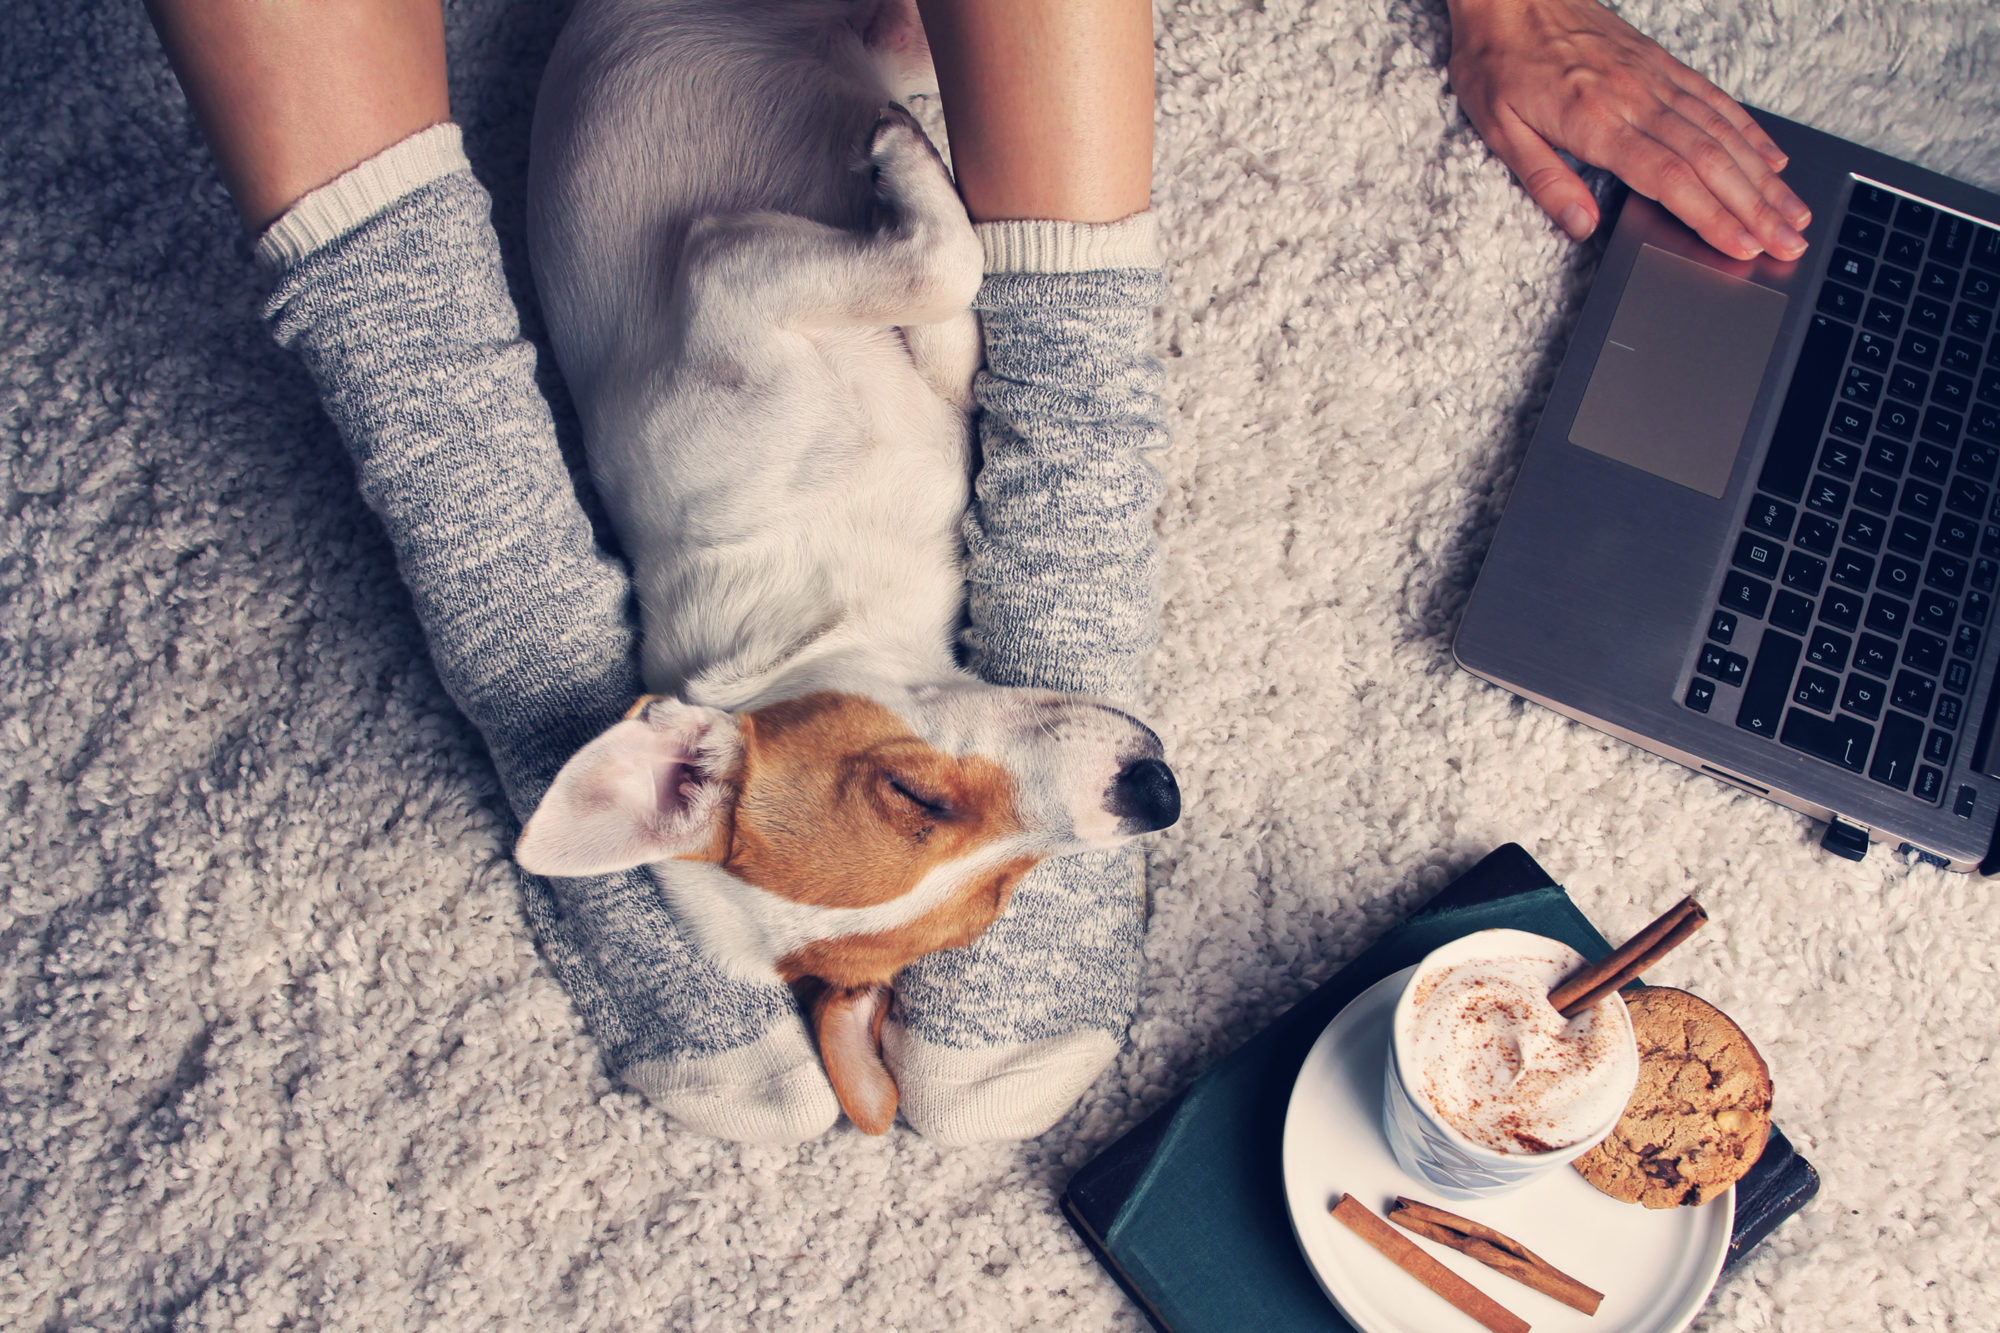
[
  {"x": 1501, "y": 1253},
  {"x": 1355, "y": 1215},
  {"x": 1593, "y": 982}
]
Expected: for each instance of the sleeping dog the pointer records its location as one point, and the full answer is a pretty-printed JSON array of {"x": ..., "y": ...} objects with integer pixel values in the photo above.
[{"x": 757, "y": 280}]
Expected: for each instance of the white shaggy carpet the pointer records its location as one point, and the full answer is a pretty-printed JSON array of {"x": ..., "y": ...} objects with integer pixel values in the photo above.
[{"x": 278, "y": 1048}]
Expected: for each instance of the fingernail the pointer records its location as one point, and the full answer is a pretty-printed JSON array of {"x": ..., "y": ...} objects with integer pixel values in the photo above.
[
  {"x": 1576, "y": 220},
  {"x": 1748, "y": 247},
  {"x": 1798, "y": 214},
  {"x": 1790, "y": 244}
]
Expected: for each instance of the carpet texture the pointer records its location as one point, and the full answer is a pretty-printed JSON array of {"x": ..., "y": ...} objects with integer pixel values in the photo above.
[{"x": 278, "y": 1048}]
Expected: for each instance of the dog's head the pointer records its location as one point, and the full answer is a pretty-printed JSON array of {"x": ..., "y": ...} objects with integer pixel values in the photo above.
[{"x": 880, "y": 827}]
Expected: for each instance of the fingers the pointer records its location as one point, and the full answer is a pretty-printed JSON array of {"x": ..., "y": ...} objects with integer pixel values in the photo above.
[
  {"x": 1731, "y": 175},
  {"x": 1546, "y": 177},
  {"x": 1718, "y": 114}
]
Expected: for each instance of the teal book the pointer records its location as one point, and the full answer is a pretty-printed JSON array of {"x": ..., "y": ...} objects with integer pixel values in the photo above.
[{"x": 1188, "y": 1209}]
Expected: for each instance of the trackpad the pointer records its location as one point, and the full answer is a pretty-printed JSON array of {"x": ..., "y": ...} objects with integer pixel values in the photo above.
[{"x": 1678, "y": 374}]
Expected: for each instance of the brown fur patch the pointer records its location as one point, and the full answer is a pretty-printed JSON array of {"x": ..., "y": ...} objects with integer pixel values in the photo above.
[{"x": 833, "y": 812}]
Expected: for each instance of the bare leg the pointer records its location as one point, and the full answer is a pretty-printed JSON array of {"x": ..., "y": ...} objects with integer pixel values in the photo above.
[
  {"x": 1049, "y": 104},
  {"x": 290, "y": 95}
]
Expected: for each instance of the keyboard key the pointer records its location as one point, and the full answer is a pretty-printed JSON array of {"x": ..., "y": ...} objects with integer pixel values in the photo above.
[
  {"x": 1898, "y": 284},
  {"x": 1965, "y": 641},
  {"x": 1888, "y": 616},
  {"x": 1897, "y": 419},
  {"x": 1985, "y": 246},
  {"x": 1983, "y": 422},
  {"x": 1989, "y": 387},
  {"x": 1838, "y": 608},
  {"x": 1945, "y": 572},
  {"x": 1978, "y": 459},
  {"x": 1804, "y": 573},
  {"x": 1908, "y": 384},
  {"x": 1888, "y": 456},
  {"x": 1876, "y": 492},
  {"x": 1924, "y": 652},
  {"x": 1938, "y": 280},
  {"x": 1875, "y": 656},
  {"x": 1952, "y": 391},
  {"x": 1960, "y": 356},
  {"x": 1872, "y": 201},
  {"x": 1971, "y": 321},
  {"x": 1957, "y": 534},
  {"x": 1852, "y": 569},
  {"x": 1874, "y": 351},
  {"x": 1769, "y": 684},
  {"x": 1919, "y": 349},
  {"x": 1789, "y": 611},
  {"x": 1935, "y": 612},
  {"x": 1942, "y": 427},
  {"x": 1701, "y": 693},
  {"x": 1929, "y": 785},
  {"x": 1963, "y": 803},
  {"x": 1952, "y": 239},
  {"x": 1841, "y": 301},
  {"x": 1895, "y": 759},
  {"x": 1968, "y": 497},
  {"x": 1861, "y": 386},
  {"x": 1937, "y": 747},
  {"x": 1771, "y": 517},
  {"x": 1850, "y": 267},
  {"x": 1841, "y": 457},
  {"x": 1814, "y": 384},
  {"x": 1840, "y": 740},
  {"x": 1745, "y": 595},
  {"x": 1882, "y": 317},
  {"x": 1977, "y": 607},
  {"x": 1863, "y": 697},
  {"x": 1899, "y": 576},
  {"x": 1916, "y": 217},
  {"x": 1816, "y": 690},
  {"x": 1817, "y": 533},
  {"x": 1929, "y": 313},
  {"x": 1850, "y": 423},
  {"x": 1932, "y": 462},
  {"x": 1913, "y": 692},
  {"x": 1722, "y": 627},
  {"x": 1957, "y": 676},
  {"x": 1828, "y": 649},
  {"x": 1858, "y": 233},
  {"x": 1950, "y": 711},
  {"x": 1909, "y": 536},
  {"x": 1828, "y": 496},
  {"x": 1985, "y": 574},
  {"x": 1980, "y": 288},
  {"x": 1727, "y": 667},
  {"x": 1758, "y": 555},
  {"x": 1862, "y": 530},
  {"x": 1920, "y": 499},
  {"x": 1904, "y": 249}
]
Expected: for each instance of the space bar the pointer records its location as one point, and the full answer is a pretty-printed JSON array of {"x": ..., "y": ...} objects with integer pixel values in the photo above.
[{"x": 1770, "y": 681}]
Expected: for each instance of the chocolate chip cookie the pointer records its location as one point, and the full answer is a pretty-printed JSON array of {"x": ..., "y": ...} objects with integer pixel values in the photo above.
[{"x": 1699, "y": 1117}]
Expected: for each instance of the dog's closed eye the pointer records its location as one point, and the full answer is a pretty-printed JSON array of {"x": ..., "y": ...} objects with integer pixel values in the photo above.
[{"x": 937, "y": 807}]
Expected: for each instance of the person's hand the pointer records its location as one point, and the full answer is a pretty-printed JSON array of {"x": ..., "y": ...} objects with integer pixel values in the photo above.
[{"x": 1540, "y": 75}]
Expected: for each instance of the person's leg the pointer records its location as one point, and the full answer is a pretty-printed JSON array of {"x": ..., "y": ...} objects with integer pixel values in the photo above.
[
  {"x": 388, "y": 284},
  {"x": 1050, "y": 111}
]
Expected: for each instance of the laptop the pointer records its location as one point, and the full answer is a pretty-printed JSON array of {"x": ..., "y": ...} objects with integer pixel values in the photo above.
[{"x": 1758, "y": 528}]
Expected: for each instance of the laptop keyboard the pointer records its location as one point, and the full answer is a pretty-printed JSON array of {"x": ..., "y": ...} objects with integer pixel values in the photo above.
[{"x": 1861, "y": 589}]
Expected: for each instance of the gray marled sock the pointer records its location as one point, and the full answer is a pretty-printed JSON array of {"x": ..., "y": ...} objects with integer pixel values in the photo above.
[
  {"x": 996, "y": 1040},
  {"x": 404, "y": 320}
]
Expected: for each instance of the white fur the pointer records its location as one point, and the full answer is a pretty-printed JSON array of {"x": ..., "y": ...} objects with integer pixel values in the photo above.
[{"x": 758, "y": 280}]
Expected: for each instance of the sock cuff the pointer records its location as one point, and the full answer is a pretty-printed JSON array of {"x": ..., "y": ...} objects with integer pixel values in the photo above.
[
  {"x": 350, "y": 199},
  {"x": 1048, "y": 246}
]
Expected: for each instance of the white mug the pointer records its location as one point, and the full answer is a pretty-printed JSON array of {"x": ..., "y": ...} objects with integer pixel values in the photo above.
[{"x": 1426, "y": 1146}]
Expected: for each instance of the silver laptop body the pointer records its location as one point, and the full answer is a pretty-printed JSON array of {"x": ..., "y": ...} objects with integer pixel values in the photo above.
[{"x": 1758, "y": 528}]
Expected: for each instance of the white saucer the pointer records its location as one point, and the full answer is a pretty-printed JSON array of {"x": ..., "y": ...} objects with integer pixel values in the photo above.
[{"x": 1655, "y": 1267}]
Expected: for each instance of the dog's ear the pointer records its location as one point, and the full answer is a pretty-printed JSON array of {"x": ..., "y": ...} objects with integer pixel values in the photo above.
[{"x": 659, "y": 786}]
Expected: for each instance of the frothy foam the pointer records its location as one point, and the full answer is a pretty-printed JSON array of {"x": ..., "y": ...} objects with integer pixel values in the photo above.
[{"x": 1482, "y": 1045}]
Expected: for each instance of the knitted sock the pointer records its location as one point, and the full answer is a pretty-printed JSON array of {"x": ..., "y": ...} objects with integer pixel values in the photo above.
[
  {"x": 997, "y": 1040},
  {"x": 389, "y": 287}
]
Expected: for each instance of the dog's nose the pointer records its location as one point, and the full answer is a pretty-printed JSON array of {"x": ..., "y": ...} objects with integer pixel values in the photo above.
[{"x": 1145, "y": 796}]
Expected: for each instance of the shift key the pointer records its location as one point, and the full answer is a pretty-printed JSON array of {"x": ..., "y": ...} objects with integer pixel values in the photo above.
[
  {"x": 1770, "y": 683},
  {"x": 1839, "y": 740}
]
